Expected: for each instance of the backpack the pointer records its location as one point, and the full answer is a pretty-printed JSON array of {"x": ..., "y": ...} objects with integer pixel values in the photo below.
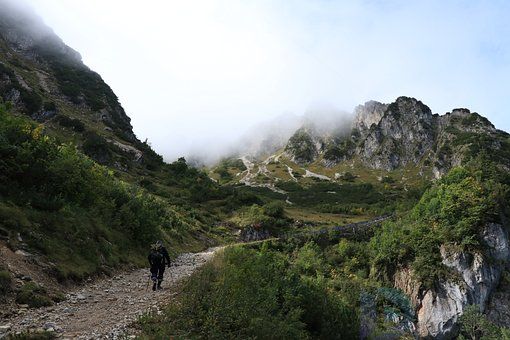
[{"x": 156, "y": 258}]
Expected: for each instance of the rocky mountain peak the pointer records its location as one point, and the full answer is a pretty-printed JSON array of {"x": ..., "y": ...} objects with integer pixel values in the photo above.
[
  {"x": 404, "y": 132},
  {"x": 368, "y": 114},
  {"x": 409, "y": 106}
]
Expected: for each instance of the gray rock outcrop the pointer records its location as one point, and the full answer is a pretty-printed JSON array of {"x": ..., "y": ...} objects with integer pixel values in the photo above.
[
  {"x": 403, "y": 133},
  {"x": 475, "y": 278}
]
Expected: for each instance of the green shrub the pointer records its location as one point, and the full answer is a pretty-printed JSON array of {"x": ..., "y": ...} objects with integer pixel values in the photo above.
[
  {"x": 33, "y": 295},
  {"x": 475, "y": 325},
  {"x": 50, "y": 106},
  {"x": 34, "y": 335},
  {"x": 5, "y": 283},
  {"x": 97, "y": 147},
  {"x": 275, "y": 209},
  {"x": 348, "y": 177},
  {"x": 253, "y": 294},
  {"x": 452, "y": 212},
  {"x": 73, "y": 123}
]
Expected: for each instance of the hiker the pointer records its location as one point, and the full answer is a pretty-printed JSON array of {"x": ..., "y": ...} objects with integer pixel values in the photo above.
[{"x": 158, "y": 258}]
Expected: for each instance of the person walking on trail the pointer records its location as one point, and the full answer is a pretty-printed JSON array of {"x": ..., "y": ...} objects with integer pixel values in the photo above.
[{"x": 158, "y": 259}]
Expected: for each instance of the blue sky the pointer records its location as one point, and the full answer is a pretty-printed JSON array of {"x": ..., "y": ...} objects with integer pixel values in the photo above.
[{"x": 199, "y": 74}]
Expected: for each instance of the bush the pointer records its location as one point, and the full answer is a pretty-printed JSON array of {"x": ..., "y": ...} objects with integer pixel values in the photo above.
[
  {"x": 73, "y": 123},
  {"x": 97, "y": 147},
  {"x": 348, "y": 177},
  {"x": 475, "y": 325},
  {"x": 5, "y": 283},
  {"x": 33, "y": 295},
  {"x": 452, "y": 212},
  {"x": 253, "y": 294},
  {"x": 275, "y": 209},
  {"x": 50, "y": 106}
]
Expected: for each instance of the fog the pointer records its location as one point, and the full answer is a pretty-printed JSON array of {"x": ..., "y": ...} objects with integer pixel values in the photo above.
[
  {"x": 265, "y": 138},
  {"x": 207, "y": 78}
]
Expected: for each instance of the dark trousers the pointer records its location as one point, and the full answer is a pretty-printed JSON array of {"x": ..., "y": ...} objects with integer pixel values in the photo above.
[{"x": 157, "y": 273}]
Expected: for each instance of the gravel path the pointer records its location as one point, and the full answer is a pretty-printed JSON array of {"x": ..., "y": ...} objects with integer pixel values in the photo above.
[{"x": 105, "y": 309}]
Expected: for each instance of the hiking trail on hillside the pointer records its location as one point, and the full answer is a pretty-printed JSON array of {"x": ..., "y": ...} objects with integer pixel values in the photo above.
[{"x": 105, "y": 309}]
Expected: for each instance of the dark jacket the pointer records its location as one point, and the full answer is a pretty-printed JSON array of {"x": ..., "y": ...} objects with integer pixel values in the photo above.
[{"x": 159, "y": 258}]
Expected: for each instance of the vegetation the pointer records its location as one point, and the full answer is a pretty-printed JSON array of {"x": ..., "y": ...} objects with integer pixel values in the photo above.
[
  {"x": 33, "y": 295},
  {"x": 475, "y": 326},
  {"x": 451, "y": 213},
  {"x": 270, "y": 216},
  {"x": 73, "y": 210},
  {"x": 5, "y": 283},
  {"x": 254, "y": 294},
  {"x": 73, "y": 123},
  {"x": 35, "y": 335},
  {"x": 339, "y": 149}
]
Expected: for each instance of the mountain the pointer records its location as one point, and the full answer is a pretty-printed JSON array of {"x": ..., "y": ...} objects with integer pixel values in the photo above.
[
  {"x": 393, "y": 223},
  {"x": 80, "y": 194},
  {"x": 405, "y": 132},
  {"x": 403, "y": 139},
  {"x": 46, "y": 80}
]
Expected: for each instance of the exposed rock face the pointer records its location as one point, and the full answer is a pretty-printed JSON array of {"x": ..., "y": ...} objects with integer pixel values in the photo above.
[
  {"x": 367, "y": 115},
  {"x": 253, "y": 234},
  {"x": 403, "y": 135},
  {"x": 405, "y": 132},
  {"x": 26, "y": 32},
  {"x": 438, "y": 309}
]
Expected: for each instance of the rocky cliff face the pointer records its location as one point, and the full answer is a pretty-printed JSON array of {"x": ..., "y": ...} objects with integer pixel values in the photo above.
[
  {"x": 474, "y": 278},
  {"x": 368, "y": 115},
  {"x": 405, "y": 132}
]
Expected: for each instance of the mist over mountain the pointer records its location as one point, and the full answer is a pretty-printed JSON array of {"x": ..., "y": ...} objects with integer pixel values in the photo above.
[
  {"x": 266, "y": 138},
  {"x": 211, "y": 72}
]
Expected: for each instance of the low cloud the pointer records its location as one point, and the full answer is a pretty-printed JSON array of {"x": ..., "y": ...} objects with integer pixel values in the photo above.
[{"x": 199, "y": 75}]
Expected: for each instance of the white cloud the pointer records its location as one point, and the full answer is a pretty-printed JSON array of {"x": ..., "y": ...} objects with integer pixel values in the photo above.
[{"x": 198, "y": 73}]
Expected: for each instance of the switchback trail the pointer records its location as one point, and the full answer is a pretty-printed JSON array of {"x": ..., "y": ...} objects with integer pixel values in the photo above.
[{"x": 106, "y": 308}]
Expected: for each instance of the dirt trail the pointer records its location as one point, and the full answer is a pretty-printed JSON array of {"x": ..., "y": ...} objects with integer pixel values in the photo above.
[{"x": 105, "y": 309}]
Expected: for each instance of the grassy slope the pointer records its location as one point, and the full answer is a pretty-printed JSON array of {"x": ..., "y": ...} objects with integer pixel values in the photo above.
[
  {"x": 345, "y": 275},
  {"x": 77, "y": 213}
]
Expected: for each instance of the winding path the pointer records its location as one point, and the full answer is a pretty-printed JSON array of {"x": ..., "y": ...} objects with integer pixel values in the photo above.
[{"x": 105, "y": 309}]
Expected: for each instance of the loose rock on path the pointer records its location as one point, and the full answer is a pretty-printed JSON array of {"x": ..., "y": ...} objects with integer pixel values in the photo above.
[{"x": 105, "y": 309}]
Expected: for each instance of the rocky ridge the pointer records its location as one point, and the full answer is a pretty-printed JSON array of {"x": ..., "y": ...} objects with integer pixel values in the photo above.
[{"x": 405, "y": 132}]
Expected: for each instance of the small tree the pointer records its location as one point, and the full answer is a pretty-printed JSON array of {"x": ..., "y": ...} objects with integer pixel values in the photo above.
[{"x": 475, "y": 326}]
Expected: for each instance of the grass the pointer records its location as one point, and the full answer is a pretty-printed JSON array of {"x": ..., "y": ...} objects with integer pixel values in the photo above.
[{"x": 323, "y": 219}]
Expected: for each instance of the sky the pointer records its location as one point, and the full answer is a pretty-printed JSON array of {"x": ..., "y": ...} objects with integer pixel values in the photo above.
[{"x": 197, "y": 75}]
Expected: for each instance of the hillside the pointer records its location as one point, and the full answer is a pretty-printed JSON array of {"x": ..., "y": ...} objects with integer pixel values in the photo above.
[
  {"x": 393, "y": 224},
  {"x": 395, "y": 149},
  {"x": 80, "y": 195},
  {"x": 382, "y": 140}
]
